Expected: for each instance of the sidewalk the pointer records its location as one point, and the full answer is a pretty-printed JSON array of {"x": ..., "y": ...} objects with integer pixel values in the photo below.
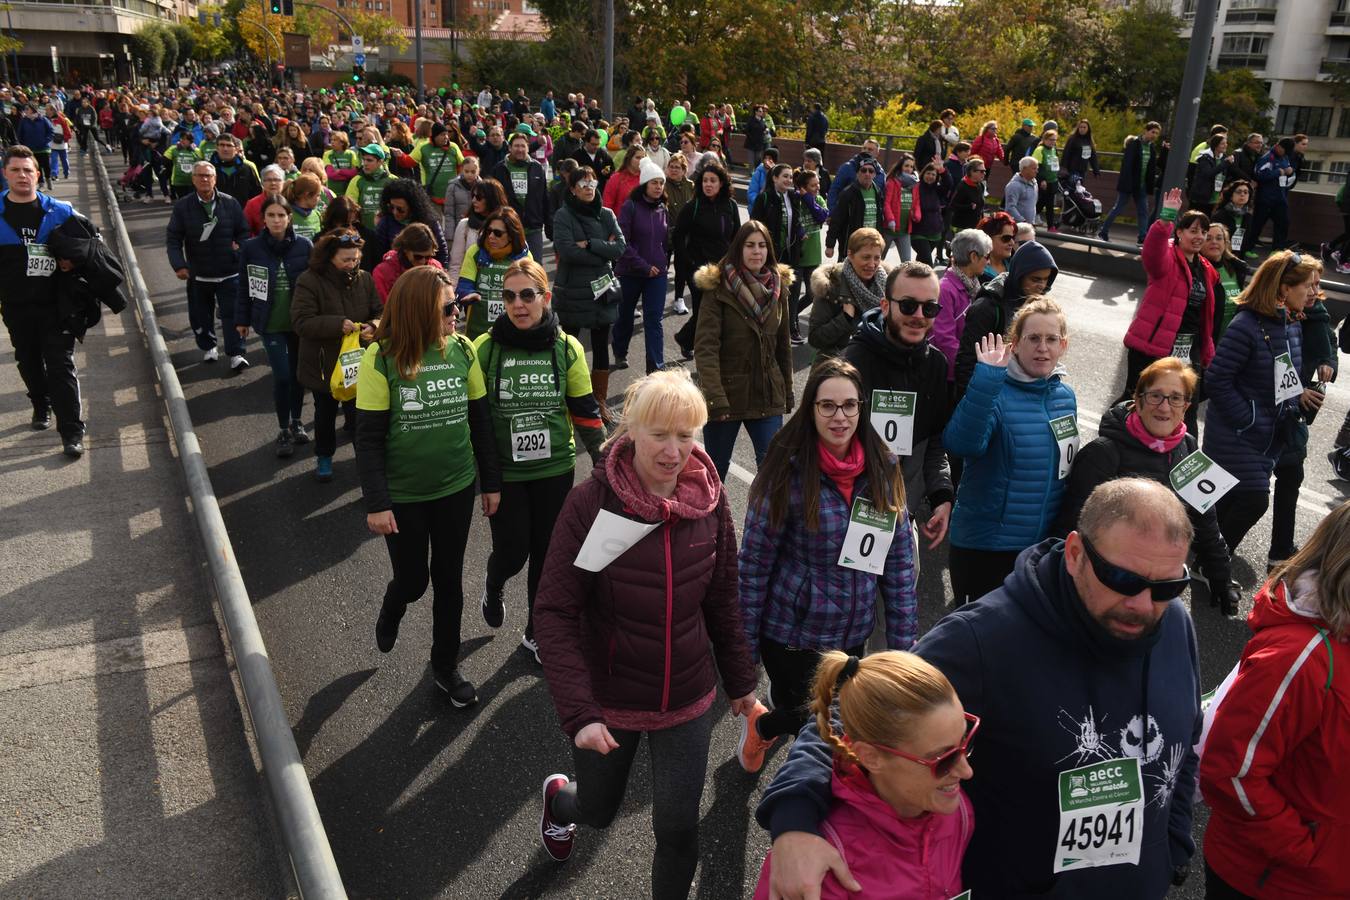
[{"x": 124, "y": 766}]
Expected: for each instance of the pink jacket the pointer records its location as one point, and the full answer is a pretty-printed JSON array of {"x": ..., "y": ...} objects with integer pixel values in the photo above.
[
  {"x": 892, "y": 858},
  {"x": 987, "y": 148},
  {"x": 388, "y": 270},
  {"x": 1158, "y": 317}
]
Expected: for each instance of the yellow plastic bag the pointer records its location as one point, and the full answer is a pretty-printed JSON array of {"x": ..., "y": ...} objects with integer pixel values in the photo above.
[{"x": 342, "y": 384}]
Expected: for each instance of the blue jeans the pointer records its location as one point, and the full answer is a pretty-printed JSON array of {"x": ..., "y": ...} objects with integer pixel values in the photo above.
[
  {"x": 62, "y": 157},
  {"x": 653, "y": 294},
  {"x": 203, "y": 298},
  {"x": 719, "y": 439},
  {"x": 1140, "y": 199},
  {"x": 283, "y": 355}
]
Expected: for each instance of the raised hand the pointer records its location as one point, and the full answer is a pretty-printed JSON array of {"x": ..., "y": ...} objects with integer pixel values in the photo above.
[
  {"x": 1173, "y": 199},
  {"x": 992, "y": 351}
]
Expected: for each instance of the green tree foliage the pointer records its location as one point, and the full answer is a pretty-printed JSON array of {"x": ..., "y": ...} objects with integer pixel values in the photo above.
[
  {"x": 1135, "y": 57},
  {"x": 1238, "y": 99},
  {"x": 147, "y": 49},
  {"x": 170, "y": 42},
  {"x": 187, "y": 41}
]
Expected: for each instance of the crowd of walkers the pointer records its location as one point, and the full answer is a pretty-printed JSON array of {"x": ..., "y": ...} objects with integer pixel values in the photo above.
[{"x": 391, "y": 256}]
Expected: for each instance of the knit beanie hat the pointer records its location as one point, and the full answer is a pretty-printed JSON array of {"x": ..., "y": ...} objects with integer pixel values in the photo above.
[{"x": 649, "y": 170}]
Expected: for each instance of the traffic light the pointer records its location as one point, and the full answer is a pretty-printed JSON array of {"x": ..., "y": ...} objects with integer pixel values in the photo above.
[
  {"x": 283, "y": 7},
  {"x": 358, "y": 73},
  {"x": 276, "y": 7}
]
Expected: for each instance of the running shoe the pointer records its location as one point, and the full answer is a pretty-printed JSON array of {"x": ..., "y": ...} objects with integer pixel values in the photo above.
[
  {"x": 751, "y": 747},
  {"x": 558, "y": 839}
]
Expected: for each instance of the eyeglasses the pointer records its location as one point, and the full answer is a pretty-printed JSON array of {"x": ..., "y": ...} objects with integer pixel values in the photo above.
[
  {"x": 1128, "y": 583},
  {"x": 526, "y": 295},
  {"x": 941, "y": 766},
  {"x": 451, "y": 308},
  {"x": 1156, "y": 398},
  {"x": 496, "y": 232},
  {"x": 828, "y": 408},
  {"x": 909, "y": 306},
  {"x": 350, "y": 238}
]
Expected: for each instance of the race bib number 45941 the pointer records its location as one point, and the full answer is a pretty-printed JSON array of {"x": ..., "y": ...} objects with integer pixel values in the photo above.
[{"x": 1101, "y": 815}]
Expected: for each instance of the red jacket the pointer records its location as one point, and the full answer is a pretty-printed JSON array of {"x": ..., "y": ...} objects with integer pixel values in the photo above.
[
  {"x": 636, "y": 634},
  {"x": 389, "y": 269},
  {"x": 1276, "y": 766},
  {"x": 708, "y": 128},
  {"x": 987, "y": 148},
  {"x": 1158, "y": 316},
  {"x": 891, "y": 205},
  {"x": 617, "y": 189}
]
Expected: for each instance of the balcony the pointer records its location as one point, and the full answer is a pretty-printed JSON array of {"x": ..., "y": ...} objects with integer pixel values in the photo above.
[
  {"x": 1253, "y": 61},
  {"x": 1251, "y": 11},
  {"x": 1331, "y": 64}
]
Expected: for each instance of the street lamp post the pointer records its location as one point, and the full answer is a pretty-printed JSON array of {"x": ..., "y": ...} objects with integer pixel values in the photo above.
[
  {"x": 1188, "y": 100},
  {"x": 417, "y": 44},
  {"x": 609, "y": 58}
]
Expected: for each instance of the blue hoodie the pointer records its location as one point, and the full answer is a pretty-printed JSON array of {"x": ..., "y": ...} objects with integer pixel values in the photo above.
[
  {"x": 1054, "y": 691},
  {"x": 848, "y": 172}
]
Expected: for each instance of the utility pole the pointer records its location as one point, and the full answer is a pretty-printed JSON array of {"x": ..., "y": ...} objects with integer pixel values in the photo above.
[
  {"x": 609, "y": 58},
  {"x": 417, "y": 44},
  {"x": 1188, "y": 100},
  {"x": 269, "y": 46}
]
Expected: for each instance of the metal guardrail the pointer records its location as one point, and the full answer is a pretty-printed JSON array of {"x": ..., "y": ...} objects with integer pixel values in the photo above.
[{"x": 302, "y": 831}]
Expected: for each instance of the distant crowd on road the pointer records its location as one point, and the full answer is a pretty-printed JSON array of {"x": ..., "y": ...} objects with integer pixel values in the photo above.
[{"x": 459, "y": 275}]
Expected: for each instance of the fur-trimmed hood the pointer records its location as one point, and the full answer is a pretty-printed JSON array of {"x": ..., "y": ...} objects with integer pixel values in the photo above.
[
  {"x": 828, "y": 280},
  {"x": 709, "y": 277}
]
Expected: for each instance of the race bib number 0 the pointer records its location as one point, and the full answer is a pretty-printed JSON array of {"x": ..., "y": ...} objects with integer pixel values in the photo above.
[
  {"x": 350, "y": 361},
  {"x": 869, "y": 537},
  {"x": 1200, "y": 481},
  {"x": 257, "y": 283},
  {"x": 1181, "y": 347},
  {"x": 530, "y": 437},
  {"x": 41, "y": 264},
  {"x": 893, "y": 419},
  {"x": 1287, "y": 383},
  {"x": 600, "y": 285},
  {"x": 1065, "y": 430},
  {"x": 1101, "y": 815}
]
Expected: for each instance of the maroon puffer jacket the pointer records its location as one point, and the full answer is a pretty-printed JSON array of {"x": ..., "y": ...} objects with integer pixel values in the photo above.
[{"x": 636, "y": 634}]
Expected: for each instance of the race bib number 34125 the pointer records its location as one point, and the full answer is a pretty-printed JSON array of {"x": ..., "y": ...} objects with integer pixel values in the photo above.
[{"x": 1101, "y": 815}]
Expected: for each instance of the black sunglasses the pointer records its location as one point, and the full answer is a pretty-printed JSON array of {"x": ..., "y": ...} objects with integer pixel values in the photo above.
[
  {"x": 909, "y": 306},
  {"x": 1128, "y": 583},
  {"x": 526, "y": 295},
  {"x": 496, "y": 232},
  {"x": 451, "y": 308}
]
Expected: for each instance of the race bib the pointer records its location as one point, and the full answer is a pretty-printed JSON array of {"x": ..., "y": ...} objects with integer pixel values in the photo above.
[
  {"x": 350, "y": 362},
  {"x": 1181, "y": 346},
  {"x": 257, "y": 283},
  {"x": 494, "y": 309},
  {"x": 609, "y": 538},
  {"x": 869, "y": 537},
  {"x": 41, "y": 264},
  {"x": 1087, "y": 151},
  {"x": 1286, "y": 181},
  {"x": 530, "y": 437},
  {"x": 520, "y": 182},
  {"x": 207, "y": 229},
  {"x": 1237, "y": 238},
  {"x": 1101, "y": 815},
  {"x": 1065, "y": 430},
  {"x": 1218, "y": 184},
  {"x": 1287, "y": 383},
  {"x": 893, "y": 419},
  {"x": 1052, "y": 165},
  {"x": 1200, "y": 481},
  {"x": 185, "y": 164},
  {"x": 601, "y": 285}
]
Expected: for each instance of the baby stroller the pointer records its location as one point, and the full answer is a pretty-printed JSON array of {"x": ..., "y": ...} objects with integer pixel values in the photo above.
[
  {"x": 1082, "y": 211},
  {"x": 127, "y": 183}
]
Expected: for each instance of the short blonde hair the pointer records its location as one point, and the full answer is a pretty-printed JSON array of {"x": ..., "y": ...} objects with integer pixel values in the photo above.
[
  {"x": 1283, "y": 268},
  {"x": 531, "y": 270},
  {"x": 865, "y": 237},
  {"x": 1037, "y": 306},
  {"x": 668, "y": 398}
]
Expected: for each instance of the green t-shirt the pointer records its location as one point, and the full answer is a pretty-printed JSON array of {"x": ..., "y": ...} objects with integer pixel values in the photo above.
[
  {"x": 428, "y": 453},
  {"x": 279, "y": 319},
  {"x": 487, "y": 276},
  {"x": 811, "y": 244},
  {"x": 365, "y": 190},
  {"x": 345, "y": 159},
  {"x": 308, "y": 224},
  {"x": 529, "y": 412},
  {"x": 181, "y": 160},
  {"x": 439, "y": 167},
  {"x": 1230, "y": 293},
  {"x": 1145, "y": 156},
  {"x": 906, "y": 209},
  {"x": 870, "y": 206}
]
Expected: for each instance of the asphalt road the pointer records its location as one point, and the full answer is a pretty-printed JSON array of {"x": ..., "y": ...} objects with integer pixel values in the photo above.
[{"x": 422, "y": 800}]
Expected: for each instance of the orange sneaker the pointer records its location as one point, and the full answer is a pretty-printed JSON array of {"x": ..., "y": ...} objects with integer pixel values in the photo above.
[{"x": 751, "y": 747}]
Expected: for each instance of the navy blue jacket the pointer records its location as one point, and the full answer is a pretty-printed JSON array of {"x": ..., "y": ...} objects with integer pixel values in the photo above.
[
  {"x": 36, "y": 134},
  {"x": 1131, "y": 160},
  {"x": 216, "y": 256},
  {"x": 849, "y": 171},
  {"x": 265, "y": 250},
  {"x": 1054, "y": 691},
  {"x": 1268, "y": 189},
  {"x": 1245, "y": 432}
]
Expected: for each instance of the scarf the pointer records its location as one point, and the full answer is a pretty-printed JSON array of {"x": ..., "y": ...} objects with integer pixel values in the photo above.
[
  {"x": 843, "y": 472},
  {"x": 757, "y": 293},
  {"x": 972, "y": 285},
  {"x": 868, "y": 292},
  {"x": 1135, "y": 426},
  {"x": 497, "y": 255},
  {"x": 591, "y": 210},
  {"x": 542, "y": 336}
]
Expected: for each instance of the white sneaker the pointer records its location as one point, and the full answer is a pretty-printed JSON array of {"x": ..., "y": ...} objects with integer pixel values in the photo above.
[
  {"x": 211, "y": 355},
  {"x": 238, "y": 364},
  {"x": 680, "y": 308}
]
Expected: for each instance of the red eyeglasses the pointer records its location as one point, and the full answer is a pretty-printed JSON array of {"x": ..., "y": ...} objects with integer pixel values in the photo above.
[{"x": 942, "y": 766}]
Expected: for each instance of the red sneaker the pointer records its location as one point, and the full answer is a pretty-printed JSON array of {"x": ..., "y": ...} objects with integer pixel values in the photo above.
[
  {"x": 558, "y": 839},
  {"x": 751, "y": 747}
]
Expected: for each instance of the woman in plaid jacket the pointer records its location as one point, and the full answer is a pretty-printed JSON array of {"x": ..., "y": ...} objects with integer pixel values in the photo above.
[{"x": 825, "y": 528}]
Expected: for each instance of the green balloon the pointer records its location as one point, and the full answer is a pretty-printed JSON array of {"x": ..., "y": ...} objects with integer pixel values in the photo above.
[
  {"x": 677, "y": 114},
  {"x": 604, "y": 136},
  {"x": 455, "y": 86},
  {"x": 441, "y": 91}
]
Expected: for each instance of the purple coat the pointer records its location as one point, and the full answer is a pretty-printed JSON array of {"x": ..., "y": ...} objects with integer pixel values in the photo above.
[{"x": 644, "y": 227}]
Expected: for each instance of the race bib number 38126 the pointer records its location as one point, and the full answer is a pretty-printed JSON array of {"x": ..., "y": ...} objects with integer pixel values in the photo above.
[{"x": 1101, "y": 815}]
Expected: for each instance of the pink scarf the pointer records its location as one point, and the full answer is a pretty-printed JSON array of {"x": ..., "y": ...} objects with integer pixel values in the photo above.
[
  {"x": 843, "y": 472},
  {"x": 1135, "y": 426}
]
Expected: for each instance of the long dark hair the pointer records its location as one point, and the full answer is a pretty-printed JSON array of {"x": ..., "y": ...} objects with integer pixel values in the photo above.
[
  {"x": 410, "y": 192},
  {"x": 735, "y": 251},
  {"x": 339, "y": 214},
  {"x": 793, "y": 449},
  {"x": 511, "y": 221}
]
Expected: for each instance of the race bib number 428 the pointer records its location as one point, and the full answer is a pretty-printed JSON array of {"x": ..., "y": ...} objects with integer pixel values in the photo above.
[{"x": 1101, "y": 815}]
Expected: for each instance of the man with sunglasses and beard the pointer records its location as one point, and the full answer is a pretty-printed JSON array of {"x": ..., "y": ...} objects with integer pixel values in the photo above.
[
  {"x": 905, "y": 376},
  {"x": 1084, "y": 671}
]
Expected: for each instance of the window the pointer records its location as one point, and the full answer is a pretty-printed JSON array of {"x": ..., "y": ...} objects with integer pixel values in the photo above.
[
  {"x": 1337, "y": 171},
  {"x": 1244, "y": 50},
  {"x": 1343, "y": 130},
  {"x": 1310, "y": 120},
  {"x": 1251, "y": 11}
]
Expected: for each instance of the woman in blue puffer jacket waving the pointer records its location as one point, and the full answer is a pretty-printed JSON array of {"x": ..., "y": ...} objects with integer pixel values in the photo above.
[
  {"x": 1017, "y": 430},
  {"x": 826, "y": 527}
]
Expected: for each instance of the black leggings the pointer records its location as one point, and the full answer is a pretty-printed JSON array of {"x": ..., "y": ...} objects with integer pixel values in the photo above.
[
  {"x": 325, "y": 421},
  {"x": 685, "y": 336},
  {"x": 683, "y": 277},
  {"x": 923, "y": 246},
  {"x": 1341, "y": 240},
  {"x": 1218, "y": 889},
  {"x": 1288, "y": 480},
  {"x": 44, "y": 161},
  {"x": 679, "y": 765},
  {"x": 1238, "y": 511},
  {"x": 1045, "y": 203},
  {"x": 977, "y": 572},
  {"x": 792, "y": 673},
  {"x": 521, "y": 529},
  {"x": 441, "y": 525}
]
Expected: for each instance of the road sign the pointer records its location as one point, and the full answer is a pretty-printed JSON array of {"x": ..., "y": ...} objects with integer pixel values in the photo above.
[
  {"x": 359, "y": 59},
  {"x": 358, "y": 44}
]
